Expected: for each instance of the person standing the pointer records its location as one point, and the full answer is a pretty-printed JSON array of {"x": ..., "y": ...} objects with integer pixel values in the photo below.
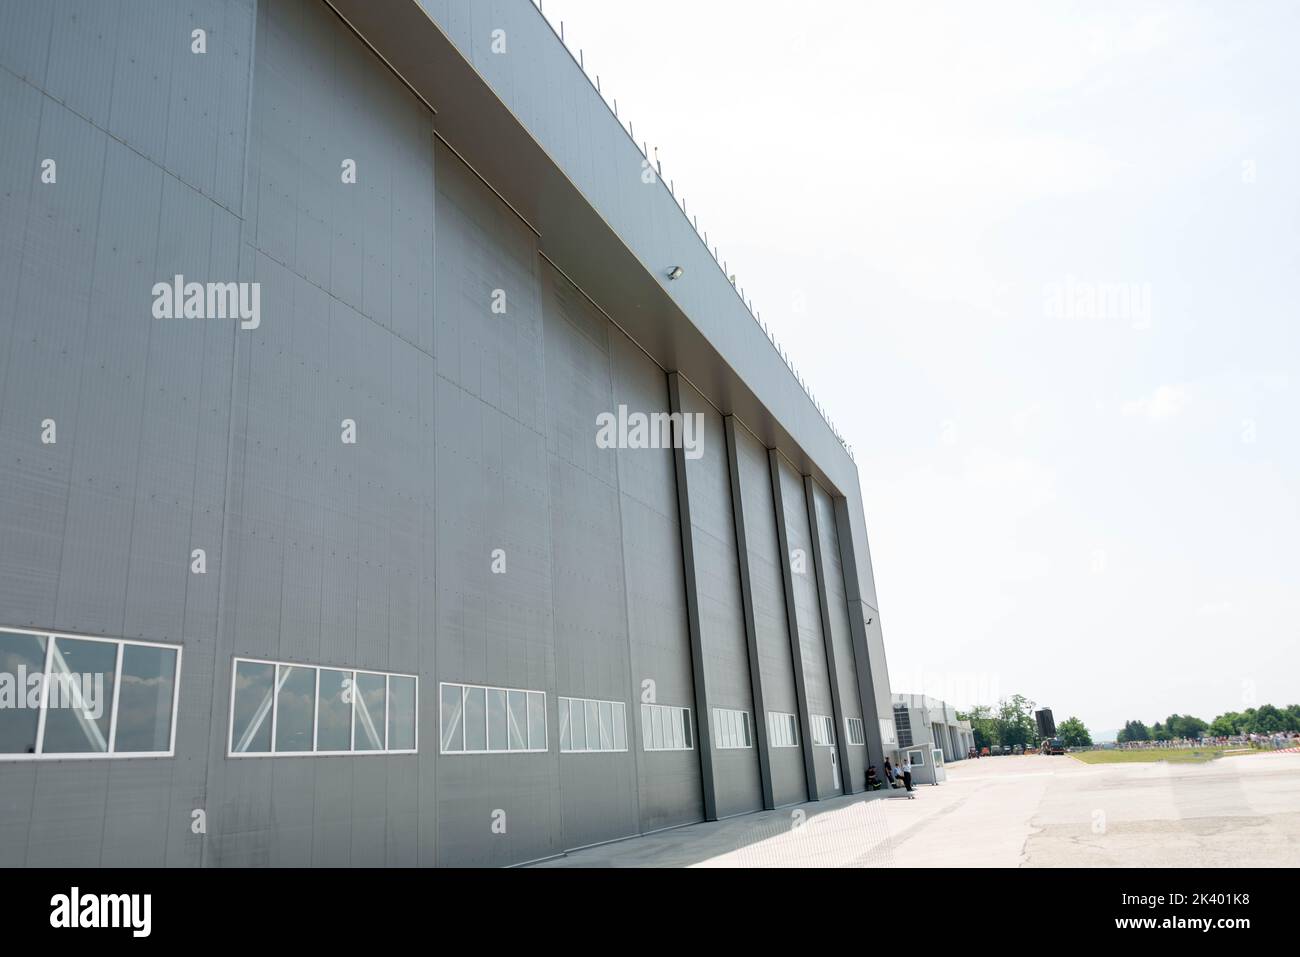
[{"x": 907, "y": 773}]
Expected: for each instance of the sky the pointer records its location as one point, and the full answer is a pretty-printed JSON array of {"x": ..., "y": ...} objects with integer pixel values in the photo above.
[{"x": 1040, "y": 264}]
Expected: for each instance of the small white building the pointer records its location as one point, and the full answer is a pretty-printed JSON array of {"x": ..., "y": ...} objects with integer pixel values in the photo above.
[{"x": 921, "y": 721}]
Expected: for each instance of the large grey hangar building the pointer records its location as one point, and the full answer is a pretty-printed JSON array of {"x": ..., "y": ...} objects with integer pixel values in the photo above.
[{"x": 389, "y": 474}]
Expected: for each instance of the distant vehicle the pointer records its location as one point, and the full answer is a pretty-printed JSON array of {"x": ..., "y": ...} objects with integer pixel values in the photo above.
[
  {"x": 984, "y": 751},
  {"x": 1018, "y": 749},
  {"x": 1006, "y": 749},
  {"x": 1052, "y": 746}
]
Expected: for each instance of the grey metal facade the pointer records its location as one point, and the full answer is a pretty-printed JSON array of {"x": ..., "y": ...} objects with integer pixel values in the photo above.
[{"x": 475, "y": 429}]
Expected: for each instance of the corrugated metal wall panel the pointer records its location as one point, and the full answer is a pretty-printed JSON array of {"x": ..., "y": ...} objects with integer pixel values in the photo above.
[
  {"x": 598, "y": 791},
  {"x": 670, "y": 786},
  {"x": 722, "y": 625},
  {"x": 789, "y": 781},
  {"x": 811, "y": 640},
  {"x": 842, "y": 638}
]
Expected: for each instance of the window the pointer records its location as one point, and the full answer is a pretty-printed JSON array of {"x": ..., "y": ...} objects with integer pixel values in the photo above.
[
  {"x": 277, "y": 708},
  {"x": 482, "y": 720},
  {"x": 857, "y": 734},
  {"x": 666, "y": 728},
  {"x": 65, "y": 696},
  {"x": 887, "y": 733},
  {"x": 782, "y": 730},
  {"x": 588, "y": 726},
  {"x": 295, "y": 720},
  {"x": 401, "y": 714},
  {"x": 903, "y": 723},
  {"x": 369, "y": 716},
  {"x": 916, "y": 758},
  {"x": 823, "y": 730},
  {"x": 333, "y": 711},
  {"x": 731, "y": 729}
]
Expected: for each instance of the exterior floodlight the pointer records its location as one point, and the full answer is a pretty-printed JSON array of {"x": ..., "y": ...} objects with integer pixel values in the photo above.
[{"x": 676, "y": 272}]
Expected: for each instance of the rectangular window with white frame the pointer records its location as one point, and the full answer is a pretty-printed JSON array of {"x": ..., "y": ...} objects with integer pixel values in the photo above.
[
  {"x": 590, "y": 726},
  {"x": 77, "y": 696},
  {"x": 477, "y": 719},
  {"x": 856, "y": 732},
  {"x": 666, "y": 728},
  {"x": 292, "y": 710},
  {"x": 823, "y": 730},
  {"x": 782, "y": 730},
  {"x": 731, "y": 729}
]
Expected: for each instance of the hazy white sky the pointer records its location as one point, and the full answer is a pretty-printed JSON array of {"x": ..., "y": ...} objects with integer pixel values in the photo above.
[{"x": 1040, "y": 263}]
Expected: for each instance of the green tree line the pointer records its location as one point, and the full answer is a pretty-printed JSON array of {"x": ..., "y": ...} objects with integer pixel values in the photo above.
[
  {"x": 1011, "y": 722},
  {"x": 1266, "y": 719}
]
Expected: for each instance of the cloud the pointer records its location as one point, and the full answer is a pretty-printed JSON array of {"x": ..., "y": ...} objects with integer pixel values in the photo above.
[{"x": 1165, "y": 403}]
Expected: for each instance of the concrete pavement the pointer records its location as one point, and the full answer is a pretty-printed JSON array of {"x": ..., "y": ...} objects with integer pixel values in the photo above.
[{"x": 1032, "y": 811}]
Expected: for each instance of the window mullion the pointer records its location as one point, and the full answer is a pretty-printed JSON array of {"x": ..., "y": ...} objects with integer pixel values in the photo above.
[
  {"x": 315, "y": 716},
  {"x": 275, "y": 703},
  {"x": 117, "y": 686},
  {"x": 45, "y": 694}
]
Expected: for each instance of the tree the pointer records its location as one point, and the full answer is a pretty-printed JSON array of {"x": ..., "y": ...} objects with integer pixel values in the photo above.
[
  {"x": 1228, "y": 724},
  {"x": 1267, "y": 720},
  {"x": 1012, "y": 722},
  {"x": 1183, "y": 726},
  {"x": 1073, "y": 733},
  {"x": 982, "y": 725},
  {"x": 1015, "y": 721},
  {"x": 1133, "y": 731},
  {"x": 1292, "y": 712},
  {"x": 1194, "y": 727}
]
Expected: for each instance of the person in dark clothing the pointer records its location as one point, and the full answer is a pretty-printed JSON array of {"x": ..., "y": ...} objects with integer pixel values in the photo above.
[{"x": 873, "y": 782}]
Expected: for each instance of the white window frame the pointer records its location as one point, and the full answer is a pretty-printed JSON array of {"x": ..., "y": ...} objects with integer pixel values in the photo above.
[
  {"x": 859, "y": 739},
  {"x": 109, "y": 755},
  {"x": 276, "y": 685},
  {"x": 731, "y": 731},
  {"x": 823, "y": 730},
  {"x": 464, "y": 688},
  {"x": 663, "y": 710},
  {"x": 782, "y": 729},
  {"x": 563, "y": 701}
]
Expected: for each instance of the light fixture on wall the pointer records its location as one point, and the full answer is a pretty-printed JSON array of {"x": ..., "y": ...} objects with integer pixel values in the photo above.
[{"x": 676, "y": 272}]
